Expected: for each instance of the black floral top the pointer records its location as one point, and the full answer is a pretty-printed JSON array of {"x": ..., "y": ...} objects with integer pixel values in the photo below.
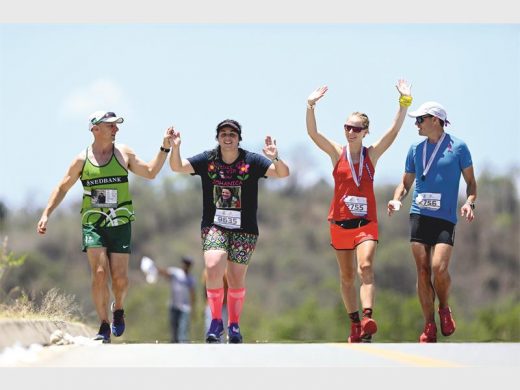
[{"x": 230, "y": 191}]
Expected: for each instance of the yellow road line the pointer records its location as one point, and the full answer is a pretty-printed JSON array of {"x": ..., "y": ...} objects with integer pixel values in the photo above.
[{"x": 402, "y": 357}]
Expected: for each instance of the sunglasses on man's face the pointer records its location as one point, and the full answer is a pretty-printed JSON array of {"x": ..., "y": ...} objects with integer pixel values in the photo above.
[
  {"x": 355, "y": 129},
  {"x": 420, "y": 119}
]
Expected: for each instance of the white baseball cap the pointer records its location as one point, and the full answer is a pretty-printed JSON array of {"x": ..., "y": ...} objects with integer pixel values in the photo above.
[
  {"x": 103, "y": 116},
  {"x": 431, "y": 108}
]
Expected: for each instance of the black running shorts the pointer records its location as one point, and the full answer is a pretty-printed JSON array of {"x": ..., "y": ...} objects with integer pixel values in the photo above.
[{"x": 431, "y": 231}]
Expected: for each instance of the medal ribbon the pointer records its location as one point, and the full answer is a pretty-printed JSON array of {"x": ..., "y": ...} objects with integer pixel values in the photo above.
[
  {"x": 426, "y": 167},
  {"x": 357, "y": 178}
]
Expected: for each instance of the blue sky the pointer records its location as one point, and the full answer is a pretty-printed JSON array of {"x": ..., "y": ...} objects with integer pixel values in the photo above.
[{"x": 52, "y": 76}]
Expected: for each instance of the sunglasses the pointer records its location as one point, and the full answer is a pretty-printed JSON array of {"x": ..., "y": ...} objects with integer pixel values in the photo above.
[
  {"x": 420, "y": 119},
  {"x": 355, "y": 129}
]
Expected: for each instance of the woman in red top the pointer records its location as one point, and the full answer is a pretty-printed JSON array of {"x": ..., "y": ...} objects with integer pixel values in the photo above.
[{"x": 353, "y": 214}]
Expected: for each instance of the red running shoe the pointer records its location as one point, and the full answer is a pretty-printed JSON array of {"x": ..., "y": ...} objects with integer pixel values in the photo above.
[
  {"x": 368, "y": 327},
  {"x": 355, "y": 332},
  {"x": 429, "y": 335},
  {"x": 447, "y": 322}
]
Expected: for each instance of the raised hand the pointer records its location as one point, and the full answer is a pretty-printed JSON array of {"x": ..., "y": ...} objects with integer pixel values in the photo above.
[
  {"x": 270, "y": 150},
  {"x": 174, "y": 137},
  {"x": 167, "y": 137},
  {"x": 404, "y": 88},
  {"x": 317, "y": 95}
]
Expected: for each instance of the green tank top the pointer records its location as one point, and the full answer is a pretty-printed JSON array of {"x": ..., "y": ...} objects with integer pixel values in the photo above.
[{"x": 106, "y": 196}]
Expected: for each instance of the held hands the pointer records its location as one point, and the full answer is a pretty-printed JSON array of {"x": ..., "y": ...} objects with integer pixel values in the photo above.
[
  {"x": 404, "y": 87},
  {"x": 270, "y": 150},
  {"x": 167, "y": 137},
  {"x": 174, "y": 137},
  {"x": 316, "y": 95}
]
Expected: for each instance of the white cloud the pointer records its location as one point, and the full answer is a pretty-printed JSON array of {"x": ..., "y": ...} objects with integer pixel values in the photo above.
[{"x": 101, "y": 94}]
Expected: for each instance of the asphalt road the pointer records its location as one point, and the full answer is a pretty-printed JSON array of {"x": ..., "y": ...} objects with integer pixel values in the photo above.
[{"x": 441, "y": 355}]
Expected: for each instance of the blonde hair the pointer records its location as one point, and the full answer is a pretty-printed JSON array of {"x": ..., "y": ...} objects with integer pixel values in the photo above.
[{"x": 363, "y": 117}]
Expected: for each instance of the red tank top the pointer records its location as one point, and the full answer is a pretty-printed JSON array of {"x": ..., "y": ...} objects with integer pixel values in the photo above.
[{"x": 351, "y": 201}]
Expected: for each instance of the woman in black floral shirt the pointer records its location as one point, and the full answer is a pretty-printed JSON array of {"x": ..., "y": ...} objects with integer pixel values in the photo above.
[{"x": 229, "y": 230}]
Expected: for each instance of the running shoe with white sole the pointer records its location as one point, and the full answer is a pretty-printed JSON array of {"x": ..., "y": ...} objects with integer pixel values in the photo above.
[
  {"x": 215, "y": 332},
  {"x": 118, "y": 321},
  {"x": 234, "y": 335},
  {"x": 103, "y": 333}
]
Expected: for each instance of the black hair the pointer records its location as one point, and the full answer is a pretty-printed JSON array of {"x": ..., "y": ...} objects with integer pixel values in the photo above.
[
  {"x": 230, "y": 123},
  {"x": 215, "y": 154},
  {"x": 187, "y": 260}
]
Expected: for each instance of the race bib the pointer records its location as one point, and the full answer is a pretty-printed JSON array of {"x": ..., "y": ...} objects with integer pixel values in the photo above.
[
  {"x": 229, "y": 219},
  {"x": 357, "y": 205},
  {"x": 428, "y": 201},
  {"x": 104, "y": 198}
]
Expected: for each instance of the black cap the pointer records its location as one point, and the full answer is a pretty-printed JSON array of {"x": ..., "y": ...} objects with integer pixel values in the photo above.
[
  {"x": 187, "y": 260},
  {"x": 230, "y": 123}
]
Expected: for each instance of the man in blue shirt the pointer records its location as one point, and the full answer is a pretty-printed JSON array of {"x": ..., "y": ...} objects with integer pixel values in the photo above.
[{"x": 435, "y": 165}]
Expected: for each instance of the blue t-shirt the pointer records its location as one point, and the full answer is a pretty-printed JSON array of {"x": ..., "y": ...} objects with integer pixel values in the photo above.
[
  {"x": 437, "y": 195},
  {"x": 230, "y": 191}
]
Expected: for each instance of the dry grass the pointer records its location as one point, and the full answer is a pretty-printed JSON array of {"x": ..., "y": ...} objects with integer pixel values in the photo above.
[{"x": 52, "y": 305}]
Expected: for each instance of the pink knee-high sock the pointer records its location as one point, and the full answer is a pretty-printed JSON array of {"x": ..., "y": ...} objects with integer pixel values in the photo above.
[
  {"x": 215, "y": 299},
  {"x": 235, "y": 301}
]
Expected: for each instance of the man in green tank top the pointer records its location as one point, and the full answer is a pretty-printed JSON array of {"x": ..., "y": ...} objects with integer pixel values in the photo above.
[{"x": 107, "y": 212}]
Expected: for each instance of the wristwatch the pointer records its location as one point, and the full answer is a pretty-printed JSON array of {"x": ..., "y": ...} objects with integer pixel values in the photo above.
[
  {"x": 471, "y": 204},
  {"x": 275, "y": 159}
]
